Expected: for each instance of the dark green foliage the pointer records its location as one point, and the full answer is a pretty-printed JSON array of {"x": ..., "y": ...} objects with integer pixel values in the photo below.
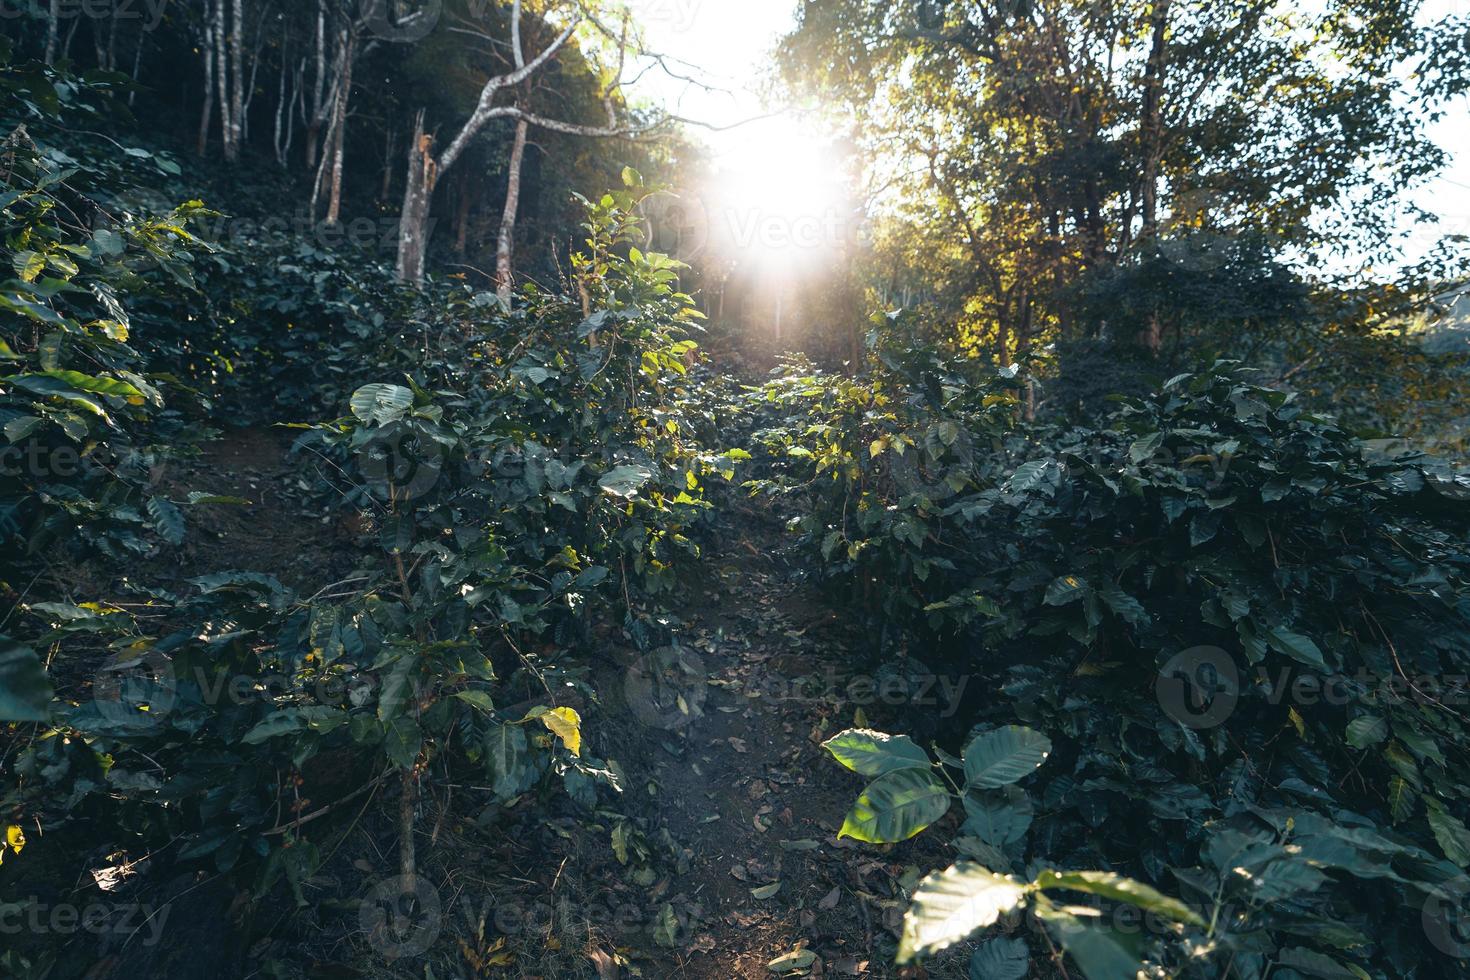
[{"x": 1243, "y": 634}]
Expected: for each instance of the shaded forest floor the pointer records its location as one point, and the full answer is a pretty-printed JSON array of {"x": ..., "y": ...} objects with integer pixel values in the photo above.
[{"x": 719, "y": 857}]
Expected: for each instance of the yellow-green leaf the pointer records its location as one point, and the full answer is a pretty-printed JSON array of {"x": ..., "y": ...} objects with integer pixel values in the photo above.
[{"x": 566, "y": 725}]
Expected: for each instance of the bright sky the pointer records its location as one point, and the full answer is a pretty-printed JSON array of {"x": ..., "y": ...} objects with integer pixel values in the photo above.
[
  {"x": 730, "y": 41},
  {"x": 723, "y": 43}
]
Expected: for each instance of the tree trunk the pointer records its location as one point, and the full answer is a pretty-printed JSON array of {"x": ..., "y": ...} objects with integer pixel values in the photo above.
[
  {"x": 1151, "y": 126},
  {"x": 137, "y": 67},
  {"x": 339, "y": 125},
  {"x": 222, "y": 72},
  {"x": 208, "y": 109},
  {"x": 418, "y": 189},
  {"x": 387, "y": 187},
  {"x": 318, "y": 101},
  {"x": 466, "y": 200},
  {"x": 112, "y": 40},
  {"x": 53, "y": 19},
  {"x": 504, "y": 246},
  {"x": 1152, "y": 131},
  {"x": 237, "y": 79},
  {"x": 283, "y": 103}
]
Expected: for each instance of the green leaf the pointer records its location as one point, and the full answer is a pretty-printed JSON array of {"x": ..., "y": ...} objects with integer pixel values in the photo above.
[
  {"x": 89, "y": 382},
  {"x": 196, "y": 498},
  {"x": 1108, "y": 885},
  {"x": 478, "y": 699},
  {"x": 625, "y": 481},
  {"x": 896, "y": 806},
  {"x": 1065, "y": 590},
  {"x": 873, "y": 754},
  {"x": 1143, "y": 448},
  {"x": 593, "y": 323},
  {"x": 666, "y": 927},
  {"x": 1300, "y": 648},
  {"x": 381, "y": 403},
  {"x": 25, "y": 690},
  {"x": 1098, "y": 953},
  {"x": 1315, "y": 964},
  {"x": 1123, "y": 605},
  {"x": 1365, "y": 731},
  {"x": 168, "y": 520},
  {"x": 294, "y": 721},
  {"x": 998, "y": 816},
  {"x": 506, "y": 756},
  {"x": 1001, "y": 959},
  {"x": 1453, "y": 836},
  {"x": 1401, "y": 799},
  {"x": 402, "y": 741},
  {"x": 28, "y": 265},
  {"x": 1028, "y": 476},
  {"x": 1001, "y": 757},
  {"x": 950, "y": 905}
]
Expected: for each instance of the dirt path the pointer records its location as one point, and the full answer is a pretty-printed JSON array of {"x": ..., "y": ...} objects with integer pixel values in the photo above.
[{"x": 741, "y": 783}]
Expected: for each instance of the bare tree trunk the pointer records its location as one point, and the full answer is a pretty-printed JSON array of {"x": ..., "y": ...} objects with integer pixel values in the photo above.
[
  {"x": 112, "y": 40},
  {"x": 53, "y": 18},
  {"x": 504, "y": 274},
  {"x": 137, "y": 67},
  {"x": 254, "y": 72},
  {"x": 1151, "y": 126},
  {"x": 387, "y": 187},
  {"x": 466, "y": 198},
  {"x": 1152, "y": 130},
  {"x": 237, "y": 79},
  {"x": 208, "y": 109},
  {"x": 283, "y": 101},
  {"x": 317, "y": 114},
  {"x": 344, "y": 93},
  {"x": 99, "y": 49},
  {"x": 407, "y": 864},
  {"x": 413, "y": 231},
  {"x": 222, "y": 73},
  {"x": 424, "y": 169}
]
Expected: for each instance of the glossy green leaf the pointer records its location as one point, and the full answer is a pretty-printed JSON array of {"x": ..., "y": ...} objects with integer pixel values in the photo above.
[
  {"x": 896, "y": 806},
  {"x": 950, "y": 905},
  {"x": 1004, "y": 756},
  {"x": 870, "y": 753}
]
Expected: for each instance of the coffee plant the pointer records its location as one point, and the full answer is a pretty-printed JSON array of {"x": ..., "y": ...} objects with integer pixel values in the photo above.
[{"x": 1243, "y": 632}]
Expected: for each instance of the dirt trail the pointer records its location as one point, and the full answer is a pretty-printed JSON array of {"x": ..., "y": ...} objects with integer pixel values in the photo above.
[{"x": 769, "y": 671}]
